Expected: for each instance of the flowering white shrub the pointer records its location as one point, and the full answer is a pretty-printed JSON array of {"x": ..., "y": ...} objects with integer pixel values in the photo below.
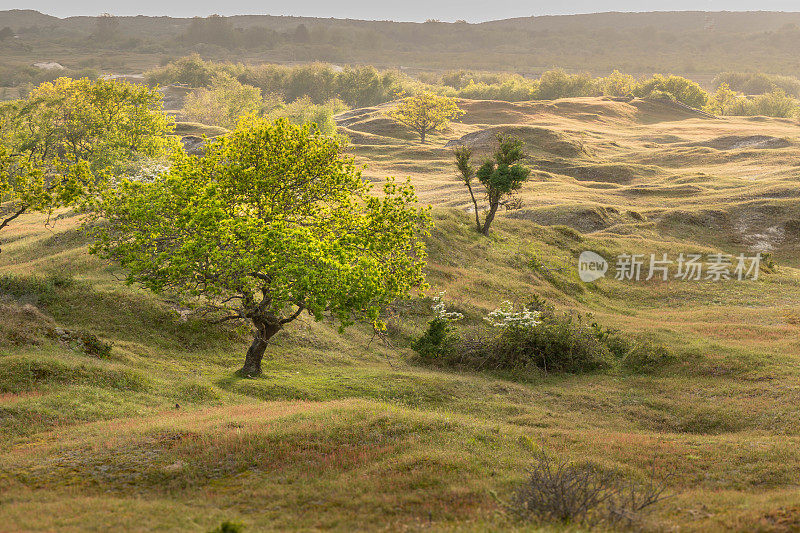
[
  {"x": 441, "y": 312},
  {"x": 505, "y": 316},
  {"x": 148, "y": 172}
]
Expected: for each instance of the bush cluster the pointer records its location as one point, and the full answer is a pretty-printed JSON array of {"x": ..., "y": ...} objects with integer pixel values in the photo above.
[
  {"x": 358, "y": 86},
  {"x": 758, "y": 83},
  {"x": 361, "y": 86},
  {"x": 553, "y": 343}
]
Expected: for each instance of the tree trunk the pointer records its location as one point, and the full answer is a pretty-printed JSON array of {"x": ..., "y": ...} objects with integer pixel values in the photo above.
[
  {"x": 422, "y": 136},
  {"x": 475, "y": 203},
  {"x": 252, "y": 361},
  {"x": 490, "y": 216}
]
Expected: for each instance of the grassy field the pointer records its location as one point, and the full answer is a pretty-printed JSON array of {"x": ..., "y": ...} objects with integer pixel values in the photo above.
[{"x": 345, "y": 432}]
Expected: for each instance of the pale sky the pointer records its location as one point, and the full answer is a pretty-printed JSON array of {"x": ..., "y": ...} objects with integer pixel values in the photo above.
[{"x": 401, "y": 10}]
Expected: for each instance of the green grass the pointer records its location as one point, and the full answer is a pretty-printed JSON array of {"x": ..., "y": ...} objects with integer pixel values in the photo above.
[{"x": 345, "y": 432}]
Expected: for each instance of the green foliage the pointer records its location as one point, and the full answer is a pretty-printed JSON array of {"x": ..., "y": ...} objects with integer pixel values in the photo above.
[
  {"x": 500, "y": 176},
  {"x": 558, "y": 84},
  {"x": 758, "y": 83},
  {"x": 223, "y": 103},
  {"x": 510, "y": 89},
  {"x": 425, "y": 112},
  {"x": 190, "y": 70},
  {"x": 437, "y": 341},
  {"x": 616, "y": 84},
  {"x": 357, "y": 86},
  {"x": 555, "y": 345},
  {"x": 305, "y": 111},
  {"x": 272, "y": 218},
  {"x": 228, "y": 527},
  {"x": 538, "y": 339},
  {"x": 725, "y": 101},
  {"x": 69, "y": 135},
  {"x": 776, "y": 103},
  {"x": 27, "y": 77},
  {"x": 677, "y": 88},
  {"x": 91, "y": 345}
]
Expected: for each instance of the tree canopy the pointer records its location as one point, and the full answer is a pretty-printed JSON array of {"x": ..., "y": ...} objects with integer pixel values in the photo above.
[
  {"x": 271, "y": 222},
  {"x": 69, "y": 134},
  {"x": 500, "y": 176},
  {"x": 426, "y": 112}
]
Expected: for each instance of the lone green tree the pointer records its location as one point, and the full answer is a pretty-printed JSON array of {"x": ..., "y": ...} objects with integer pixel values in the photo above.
[
  {"x": 273, "y": 221},
  {"x": 426, "y": 112},
  {"x": 500, "y": 176},
  {"x": 71, "y": 135}
]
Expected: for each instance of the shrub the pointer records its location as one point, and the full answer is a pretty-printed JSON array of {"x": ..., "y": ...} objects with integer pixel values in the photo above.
[
  {"x": 303, "y": 111},
  {"x": 775, "y": 104},
  {"x": 556, "y": 344},
  {"x": 223, "y": 103},
  {"x": 518, "y": 342},
  {"x": 558, "y": 84},
  {"x": 616, "y": 84},
  {"x": 557, "y": 491},
  {"x": 228, "y": 527},
  {"x": 511, "y": 89},
  {"x": 536, "y": 338},
  {"x": 677, "y": 88},
  {"x": 437, "y": 341},
  {"x": 91, "y": 345},
  {"x": 758, "y": 83},
  {"x": 191, "y": 71},
  {"x": 356, "y": 86}
]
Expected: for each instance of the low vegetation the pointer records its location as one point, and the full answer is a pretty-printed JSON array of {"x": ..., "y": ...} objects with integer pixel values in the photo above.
[
  {"x": 584, "y": 495},
  {"x": 532, "y": 340},
  {"x": 122, "y": 406}
]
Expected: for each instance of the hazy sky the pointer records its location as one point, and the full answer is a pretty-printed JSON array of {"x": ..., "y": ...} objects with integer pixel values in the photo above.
[{"x": 412, "y": 10}]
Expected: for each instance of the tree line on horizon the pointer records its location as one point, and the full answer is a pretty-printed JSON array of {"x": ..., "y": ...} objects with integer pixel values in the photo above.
[{"x": 667, "y": 42}]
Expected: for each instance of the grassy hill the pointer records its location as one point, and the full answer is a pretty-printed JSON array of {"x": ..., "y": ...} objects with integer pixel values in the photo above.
[{"x": 346, "y": 432}]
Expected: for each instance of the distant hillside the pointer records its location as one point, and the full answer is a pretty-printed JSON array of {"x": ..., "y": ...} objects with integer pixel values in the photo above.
[{"x": 687, "y": 43}]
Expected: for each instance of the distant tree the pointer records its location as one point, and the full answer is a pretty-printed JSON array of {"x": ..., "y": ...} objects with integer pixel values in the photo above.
[
  {"x": 69, "y": 135},
  {"x": 426, "y": 112},
  {"x": 189, "y": 70},
  {"x": 273, "y": 221},
  {"x": 214, "y": 29},
  {"x": 616, "y": 84},
  {"x": 6, "y": 33},
  {"x": 500, "y": 176},
  {"x": 301, "y": 34},
  {"x": 106, "y": 27},
  {"x": 223, "y": 103},
  {"x": 724, "y": 101},
  {"x": 303, "y": 111}
]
